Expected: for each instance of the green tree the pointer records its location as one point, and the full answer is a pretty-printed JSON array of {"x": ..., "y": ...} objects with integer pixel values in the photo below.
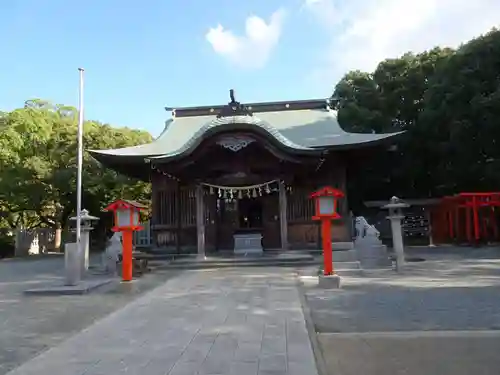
[
  {"x": 461, "y": 115},
  {"x": 38, "y": 165},
  {"x": 448, "y": 102},
  {"x": 391, "y": 99}
]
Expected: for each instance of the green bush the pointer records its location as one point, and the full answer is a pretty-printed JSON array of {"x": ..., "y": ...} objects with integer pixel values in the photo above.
[{"x": 7, "y": 245}]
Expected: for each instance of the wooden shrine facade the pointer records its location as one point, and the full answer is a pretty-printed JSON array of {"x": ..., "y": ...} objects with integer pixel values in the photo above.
[
  {"x": 220, "y": 171},
  {"x": 228, "y": 189}
]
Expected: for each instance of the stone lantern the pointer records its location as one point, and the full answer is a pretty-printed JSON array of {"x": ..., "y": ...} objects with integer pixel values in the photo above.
[
  {"x": 86, "y": 222},
  {"x": 396, "y": 215}
]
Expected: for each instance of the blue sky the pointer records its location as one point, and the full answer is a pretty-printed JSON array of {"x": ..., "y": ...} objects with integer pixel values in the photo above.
[{"x": 142, "y": 56}]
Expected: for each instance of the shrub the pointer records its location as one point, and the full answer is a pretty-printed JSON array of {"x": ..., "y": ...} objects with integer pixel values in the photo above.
[{"x": 7, "y": 245}]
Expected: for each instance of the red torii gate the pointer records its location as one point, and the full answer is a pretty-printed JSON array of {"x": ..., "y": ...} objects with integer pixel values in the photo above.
[{"x": 467, "y": 217}]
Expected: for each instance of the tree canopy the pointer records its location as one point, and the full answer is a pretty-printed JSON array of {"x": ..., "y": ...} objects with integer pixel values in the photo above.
[
  {"x": 38, "y": 165},
  {"x": 448, "y": 102}
]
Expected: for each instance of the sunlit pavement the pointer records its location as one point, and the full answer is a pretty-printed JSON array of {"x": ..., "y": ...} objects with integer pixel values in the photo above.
[
  {"x": 30, "y": 325},
  {"x": 245, "y": 321}
]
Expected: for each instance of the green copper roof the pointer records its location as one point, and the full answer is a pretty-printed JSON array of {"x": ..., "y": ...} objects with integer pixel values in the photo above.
[{"x": 298, "y": 130}]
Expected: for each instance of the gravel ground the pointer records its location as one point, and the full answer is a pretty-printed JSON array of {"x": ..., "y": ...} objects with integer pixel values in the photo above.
[
  {"x": 458, "y": 294},
  {"x": 441, "y": 316}
]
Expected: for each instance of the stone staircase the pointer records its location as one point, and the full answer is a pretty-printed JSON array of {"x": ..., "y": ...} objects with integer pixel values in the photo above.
[
  {"x": 266, "y": 260},
  {"x": 349, "y": 258}
]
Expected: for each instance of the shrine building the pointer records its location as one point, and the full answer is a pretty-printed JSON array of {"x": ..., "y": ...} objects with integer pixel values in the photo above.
[{"x": 219, "y": 173}]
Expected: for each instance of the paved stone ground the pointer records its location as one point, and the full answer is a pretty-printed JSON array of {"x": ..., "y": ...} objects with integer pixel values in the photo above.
[
  {"x": 412, "y": 353},
  {"x": 441, "y": 317},
  {"x": 246, "y": 321},
  {"x": 31, "y": 324}
]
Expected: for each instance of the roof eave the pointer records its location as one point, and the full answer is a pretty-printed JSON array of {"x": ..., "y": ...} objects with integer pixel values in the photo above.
[
  {"x": 128, "y": 165},
  {"x": 376, "y": 141}
]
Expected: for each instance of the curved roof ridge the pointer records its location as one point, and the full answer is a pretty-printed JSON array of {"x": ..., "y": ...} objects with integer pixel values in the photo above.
[
  {"x": 297, "y": 130},
  {"x": 223, "y": 122},
  {"x": 264, "y": 125},
  {"x": 168, "y": 123}
]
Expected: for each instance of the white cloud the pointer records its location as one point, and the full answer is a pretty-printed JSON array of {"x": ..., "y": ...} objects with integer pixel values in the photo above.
[
  {"x": 365, "y": 32},
  {"x": 326, "y": 12},
  {"x": 254, "y": 48}
]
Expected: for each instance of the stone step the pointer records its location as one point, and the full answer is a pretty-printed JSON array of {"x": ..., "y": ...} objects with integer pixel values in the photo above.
[
  {"x": 283, "y": 259},
  {"x": 214, "y": 265},
  {"x": 344, "y": 266},
  {"x": 345, "y": 256},
  {"x": 347, "y": 268},
  {"x": 243, "y": 259},
  {"x": 342, "y": 246}
]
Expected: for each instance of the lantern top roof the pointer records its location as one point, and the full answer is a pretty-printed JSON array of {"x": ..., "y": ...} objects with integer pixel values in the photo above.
[
  {"x": 84, "y": 215},
  {"x": 327, "y": 191},
  {"x": 121, "y": 204},
  {"x": 396, "y": 202}
]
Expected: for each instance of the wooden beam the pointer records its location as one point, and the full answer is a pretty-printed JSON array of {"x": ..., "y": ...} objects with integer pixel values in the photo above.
[
  {"x": 200, "y": 221},
  {"x": 178, "y": 208},
  {"x": 283, "y": 216},
  {"x": 155, "y": 202}
]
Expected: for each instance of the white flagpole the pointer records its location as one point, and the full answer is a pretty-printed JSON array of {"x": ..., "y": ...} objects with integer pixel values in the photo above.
[{"x": 80, "y": 165}]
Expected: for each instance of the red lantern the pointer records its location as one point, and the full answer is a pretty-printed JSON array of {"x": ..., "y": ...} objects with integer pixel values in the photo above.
[
  {"x": 126, "y": 214},
  {"x": 126, "y": 217},
  {"x": 326, "y": 204}
]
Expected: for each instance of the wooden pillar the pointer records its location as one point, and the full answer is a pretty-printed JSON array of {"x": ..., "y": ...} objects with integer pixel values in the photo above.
[
  {"x": 468, "y": 224},
  {"x": 178, "y": 218},
  {"x": 430, "y": 229},
  {"x": 200, "y": 221},
  {"x": 155, "y": 204},
  {"x": 341, "y": 179},
  {"x": 283, "y": 216},
  {"x": 475, "y": 217},
  {"x": 450, "y": 225},
  {"x": 493, "y": 223}
]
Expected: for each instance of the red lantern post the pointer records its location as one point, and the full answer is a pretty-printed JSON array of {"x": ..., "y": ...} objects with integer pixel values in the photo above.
[
  {"x": 326, "y": 204},
  {"x": 126, "y": 217}
]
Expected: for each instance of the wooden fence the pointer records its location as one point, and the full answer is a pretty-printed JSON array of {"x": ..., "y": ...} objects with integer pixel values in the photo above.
[
  {"x": 34, "y": 241},
  {"x": 42, "y": 240},
  {"x": 143, "y": 237}
]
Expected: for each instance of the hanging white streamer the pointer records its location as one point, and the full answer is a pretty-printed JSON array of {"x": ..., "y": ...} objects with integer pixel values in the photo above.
[{"x": 250, "y": 187}]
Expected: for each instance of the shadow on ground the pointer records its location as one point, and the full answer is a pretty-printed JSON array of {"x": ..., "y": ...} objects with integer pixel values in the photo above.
[
  {"x": 32, "y": 324},
  {"x": 432, "y": 296},
  {"x": 441, "y": 316}
]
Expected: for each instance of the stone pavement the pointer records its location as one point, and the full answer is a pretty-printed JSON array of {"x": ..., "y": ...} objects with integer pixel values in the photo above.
[
  {"x": 433, "y": 295},
  {"x": 441, "y": 316},
  {"x": 31, "y": 325},
  {"x": 245, "y": 321},
  {"x": 412, "y": 353}
]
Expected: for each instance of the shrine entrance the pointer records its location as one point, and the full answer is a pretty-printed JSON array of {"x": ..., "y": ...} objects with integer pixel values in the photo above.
[{"x": 248, "y": 215}]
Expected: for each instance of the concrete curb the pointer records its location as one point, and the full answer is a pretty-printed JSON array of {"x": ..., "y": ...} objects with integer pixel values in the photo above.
[
  {"x": 31, "y": 258},
  {"x": 316, "y": 348},
  {"x": 83, "y": 287}
]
